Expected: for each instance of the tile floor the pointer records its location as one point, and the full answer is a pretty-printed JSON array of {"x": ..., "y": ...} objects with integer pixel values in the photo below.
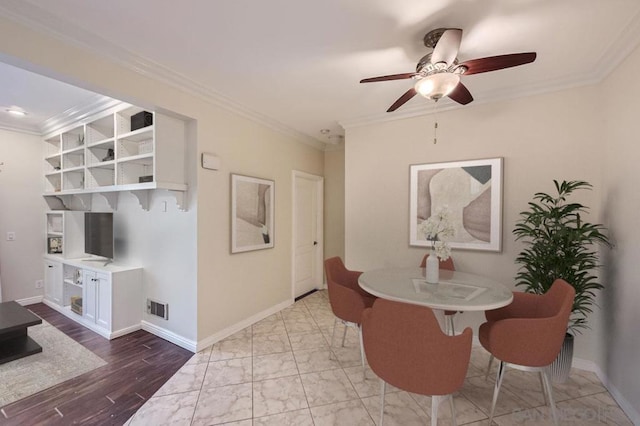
[{"x": 279, "y": 372}]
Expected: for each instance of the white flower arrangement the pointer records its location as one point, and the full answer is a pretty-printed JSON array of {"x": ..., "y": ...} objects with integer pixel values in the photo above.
[{"x": 435, "y": 228}]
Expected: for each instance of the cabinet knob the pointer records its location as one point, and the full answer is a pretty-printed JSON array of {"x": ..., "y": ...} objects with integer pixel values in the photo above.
[{"x": 50, "y": 266}]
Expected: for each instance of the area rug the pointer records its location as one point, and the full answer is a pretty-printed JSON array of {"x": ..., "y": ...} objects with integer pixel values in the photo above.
[{"x": 62, "y": 358}]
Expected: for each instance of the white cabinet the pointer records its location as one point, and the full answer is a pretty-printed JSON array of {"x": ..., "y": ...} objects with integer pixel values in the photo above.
[
  {"x": 105, "y": 298},
  {"x": 53, "y": 281},
  {"x": 105, "y": 302},
  {"x": 89, "y": 295},
  {"x": 110, "y": 152},
  {"x": 97, "y": 298}
]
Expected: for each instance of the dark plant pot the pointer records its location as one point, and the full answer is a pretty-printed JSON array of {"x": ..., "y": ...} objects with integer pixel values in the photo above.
[{"x": 560, "y": 368}]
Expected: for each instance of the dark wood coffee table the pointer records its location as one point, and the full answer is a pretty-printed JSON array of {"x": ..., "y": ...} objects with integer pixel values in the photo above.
[{"x": 14, "y": 341}]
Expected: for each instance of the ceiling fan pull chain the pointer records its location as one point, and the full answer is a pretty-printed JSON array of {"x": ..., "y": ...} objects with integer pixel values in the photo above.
[{"x": 435, "y": 124}]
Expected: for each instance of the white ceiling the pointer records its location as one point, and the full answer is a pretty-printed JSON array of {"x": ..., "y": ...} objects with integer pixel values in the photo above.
[
  {"x": 44, "y": 99},
  {"x": 296, "y": 64}
]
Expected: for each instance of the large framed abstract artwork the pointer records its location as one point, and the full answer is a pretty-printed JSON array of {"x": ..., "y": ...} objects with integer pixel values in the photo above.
[
  {"x": 252, "y": 216},
  {"x": 471, "y": 191}
]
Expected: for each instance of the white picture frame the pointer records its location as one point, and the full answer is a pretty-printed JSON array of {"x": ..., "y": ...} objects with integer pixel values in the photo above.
[
  {"x": 252, "y": 213},
  {"x": 470, "y": 190}
]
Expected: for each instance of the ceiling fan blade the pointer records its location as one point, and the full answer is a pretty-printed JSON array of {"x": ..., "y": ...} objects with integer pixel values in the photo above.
[
  {"x": 494, "y": 63},
  {"x": 446, "y": 49},
  {"x": 461, "y": 94},
  {"x": 389, "y": 77},
  {"x": 402, "y": 99}
]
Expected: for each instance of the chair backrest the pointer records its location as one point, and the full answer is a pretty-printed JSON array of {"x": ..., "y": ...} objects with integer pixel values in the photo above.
[
  {"x": 339, "y": 274},
  {"x": 556, "y": 304},
  {"x": 344, "y": 292},
  {"x": 406, "y": 348},
  {"x": 557, "y": 301},
  {"x": 532, "y": 334},
  {"x": 444, "y": 264}
]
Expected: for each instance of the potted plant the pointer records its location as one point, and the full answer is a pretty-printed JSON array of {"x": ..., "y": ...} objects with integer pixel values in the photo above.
[{"x": 559, "y": 244}]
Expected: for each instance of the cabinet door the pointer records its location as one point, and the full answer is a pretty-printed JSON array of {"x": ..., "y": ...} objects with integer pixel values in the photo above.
[
  {"x": 90, "y": 295},
  {"x": 103, "y": 315},
  {"x": 53, "y": 281}
]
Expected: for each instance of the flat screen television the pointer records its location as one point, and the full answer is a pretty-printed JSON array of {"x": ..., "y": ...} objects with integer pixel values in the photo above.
[{"x": 98, "y": 234}]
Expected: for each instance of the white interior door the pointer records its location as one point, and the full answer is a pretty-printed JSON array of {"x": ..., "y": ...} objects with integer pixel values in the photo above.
[{"x": 307, "y": 233}]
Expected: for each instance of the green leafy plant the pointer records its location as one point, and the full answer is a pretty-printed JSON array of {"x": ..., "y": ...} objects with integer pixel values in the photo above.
[{"x": 559, "y": 244}]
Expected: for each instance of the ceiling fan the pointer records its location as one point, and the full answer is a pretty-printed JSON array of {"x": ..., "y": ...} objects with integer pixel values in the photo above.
[{"x": 438, "y": 73}]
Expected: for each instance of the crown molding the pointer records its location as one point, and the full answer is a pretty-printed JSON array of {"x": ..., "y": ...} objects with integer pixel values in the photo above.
[
  {"x": 78, "y": 114},
  {"x": 31, "y": 130},
  {"x": 626, "y": 42},
  {"x": 38, "y": 19}
]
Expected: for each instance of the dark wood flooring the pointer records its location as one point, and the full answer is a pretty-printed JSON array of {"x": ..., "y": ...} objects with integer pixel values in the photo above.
[{"x": 138, "y": 364}]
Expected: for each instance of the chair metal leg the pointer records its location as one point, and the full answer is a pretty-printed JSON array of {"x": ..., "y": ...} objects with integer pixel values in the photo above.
[
  {"x": 451, "y": 327},
  {"x": 552, "y": 405},
  {"x": 435, "y": 403},
  {"x": 501, "y": 370},
  {"x": 486, "y": 375},
  {"x": 344, "y": 333},
  {"x": 383, "y": 388},
  {"x": 544, "y": 390},
  {"x": 361, "y": 345},
  {"x": 453, "y": 411},
  {"x": 333, "y": 334},
  {"x": 333, "y": 338}
]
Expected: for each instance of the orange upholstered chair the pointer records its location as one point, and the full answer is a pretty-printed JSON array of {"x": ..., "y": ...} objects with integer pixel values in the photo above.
[
  {"x": 528, "y": 334},
  {"x": 406, "y": 348},
  {"x": 449, "y": 266},
  {"x": 347, "y": 299}
]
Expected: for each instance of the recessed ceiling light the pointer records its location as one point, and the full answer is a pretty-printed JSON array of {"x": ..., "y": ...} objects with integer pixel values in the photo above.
[{"x": 18, "y": 112}]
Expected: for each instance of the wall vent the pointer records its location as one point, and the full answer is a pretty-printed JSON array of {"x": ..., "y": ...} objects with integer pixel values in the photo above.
[{"x": 158, "y": 309}]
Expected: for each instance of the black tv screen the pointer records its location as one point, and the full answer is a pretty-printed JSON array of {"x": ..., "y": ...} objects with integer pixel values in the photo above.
[{"x": 98, "y": 234}]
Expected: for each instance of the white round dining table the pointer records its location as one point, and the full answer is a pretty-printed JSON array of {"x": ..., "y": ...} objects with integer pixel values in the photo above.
[{"x": 455, "y": 291}]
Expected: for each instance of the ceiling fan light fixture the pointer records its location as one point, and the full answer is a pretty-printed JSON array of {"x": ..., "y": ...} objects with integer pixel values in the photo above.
[
  {"x": 16, "y": 111},
  {"x": 436, "y": 86}
]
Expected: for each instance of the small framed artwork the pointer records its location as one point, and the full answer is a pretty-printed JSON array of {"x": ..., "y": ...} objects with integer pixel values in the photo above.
[
  {"x": 471, "y": 193},
  {"x": 54, "y": 245},
  {"x": 252, "y": 213}
]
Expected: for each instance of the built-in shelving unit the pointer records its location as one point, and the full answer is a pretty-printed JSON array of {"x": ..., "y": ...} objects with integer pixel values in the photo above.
[
  {"x": 106, "y": 154},
  {"x": 72, "y": 288},
  {"x": 65, "y": 230},
  {"x": 103, "y": 298}
]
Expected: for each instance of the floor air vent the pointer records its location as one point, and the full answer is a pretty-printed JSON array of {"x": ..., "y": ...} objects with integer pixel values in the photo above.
[{"x": 158, "y": 309}]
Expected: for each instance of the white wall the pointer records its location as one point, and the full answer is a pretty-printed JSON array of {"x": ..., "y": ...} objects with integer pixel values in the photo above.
[
  {"x": 334, "y": 202},
  {"x": 230, "y": 288},
  {"x": 541, "y": 138},
  {"x": 21, "y": 211},
  {"x": 164, "y": 243},
  {"x": 233, "y": 287},
  {"x": 621, "y": 200}
]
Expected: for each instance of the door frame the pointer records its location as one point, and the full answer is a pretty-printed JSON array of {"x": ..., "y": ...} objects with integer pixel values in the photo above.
[{"x": 319, "y": 273}]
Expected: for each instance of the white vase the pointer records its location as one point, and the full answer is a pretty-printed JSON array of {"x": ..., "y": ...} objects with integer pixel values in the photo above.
[{"x": 432, "y": 273}]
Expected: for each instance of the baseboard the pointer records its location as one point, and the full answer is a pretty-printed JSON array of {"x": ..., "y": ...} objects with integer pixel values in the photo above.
[
  {"x": 208, "y": 341},
  {"x": 170, "y": 336},
  {"x": 124, "y": 331},
  {"x": 626, "y": 406},
  {"x": 586, "y": 365},
  {"x": 30, "y": 300}
]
